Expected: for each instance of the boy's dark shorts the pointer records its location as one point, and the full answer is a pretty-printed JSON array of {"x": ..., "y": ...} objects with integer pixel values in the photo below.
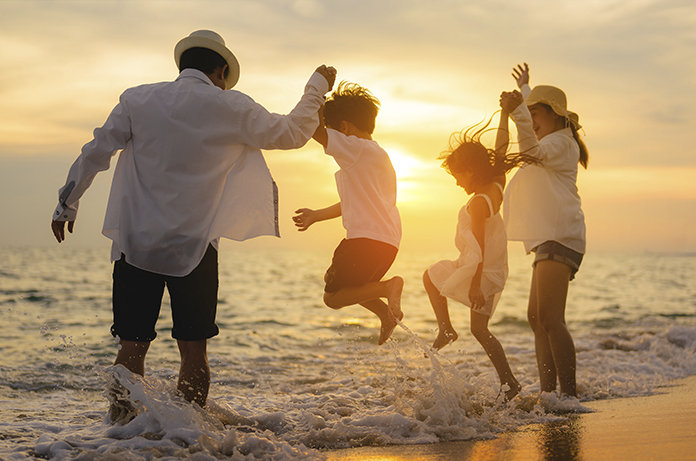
[
  {"x": 358, "y": 261},
  {"x": 556, "y": 252},
  {"x": 137, "y": 296}
]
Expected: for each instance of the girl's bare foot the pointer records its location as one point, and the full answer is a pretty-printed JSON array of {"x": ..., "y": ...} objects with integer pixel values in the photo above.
[
  {"x": 396, "y": 286},
  {"x": 444, "y": 338},
  {"x": 512, "y": 391}
]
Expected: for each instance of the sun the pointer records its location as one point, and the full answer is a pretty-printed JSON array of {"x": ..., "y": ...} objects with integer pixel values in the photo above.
[
  {"x": 409, "y": 173},
  {"x": 405, "y": 165}
]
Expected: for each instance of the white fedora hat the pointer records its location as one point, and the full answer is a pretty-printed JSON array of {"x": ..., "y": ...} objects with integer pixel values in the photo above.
[{"x": 212, "y": 41}]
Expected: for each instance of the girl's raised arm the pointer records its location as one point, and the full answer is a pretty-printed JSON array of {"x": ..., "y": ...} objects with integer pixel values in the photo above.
[
  {"x": 521, "y": 74},
  {"x": 502, "y": 137}
]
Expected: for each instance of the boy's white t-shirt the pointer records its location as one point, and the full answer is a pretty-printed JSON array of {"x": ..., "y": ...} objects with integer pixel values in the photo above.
[{"x": 366, "y": 186}]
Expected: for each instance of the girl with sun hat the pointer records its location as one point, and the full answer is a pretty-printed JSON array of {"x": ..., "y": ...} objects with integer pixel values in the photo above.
[{"x": 542, "y": 208}]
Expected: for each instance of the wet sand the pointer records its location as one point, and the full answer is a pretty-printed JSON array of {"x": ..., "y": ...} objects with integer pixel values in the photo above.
[{"x": 656, "y": 427}]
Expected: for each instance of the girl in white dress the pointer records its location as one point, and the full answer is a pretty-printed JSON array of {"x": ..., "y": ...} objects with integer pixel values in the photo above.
[{"x": 477, "y": 277}]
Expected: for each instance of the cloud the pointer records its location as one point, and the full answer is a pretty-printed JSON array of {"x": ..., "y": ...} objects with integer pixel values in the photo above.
[{"x": 627, "y": 68}]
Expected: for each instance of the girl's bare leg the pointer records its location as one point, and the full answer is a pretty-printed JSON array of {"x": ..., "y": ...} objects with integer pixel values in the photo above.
[
  {"x": 542, "y": 347},
  {"x": 479, "y": 328},
  {"x": 551, "y": 282},
  {"x": 446, "y": 334}
]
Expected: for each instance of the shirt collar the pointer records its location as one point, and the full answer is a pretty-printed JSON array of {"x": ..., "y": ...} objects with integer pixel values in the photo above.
[{"x": 195, "y": 73}]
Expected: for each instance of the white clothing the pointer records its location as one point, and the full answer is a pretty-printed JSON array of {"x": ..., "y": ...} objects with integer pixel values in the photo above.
[
  {"x": 453, "y": 278},
  {"x": 542, "y": 201},
  {"x": 191, "y": 169},
  {"x": 366, "y": 185}
]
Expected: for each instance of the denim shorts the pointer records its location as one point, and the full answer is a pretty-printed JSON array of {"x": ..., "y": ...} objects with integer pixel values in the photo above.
[{"x": 554, "y": 251}]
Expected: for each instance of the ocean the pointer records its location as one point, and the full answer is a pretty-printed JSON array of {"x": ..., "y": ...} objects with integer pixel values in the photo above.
[{"x": 292, "y": 378}]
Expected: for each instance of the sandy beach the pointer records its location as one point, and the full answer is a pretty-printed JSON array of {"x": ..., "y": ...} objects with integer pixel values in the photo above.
[{"x": 656, "y": 427}]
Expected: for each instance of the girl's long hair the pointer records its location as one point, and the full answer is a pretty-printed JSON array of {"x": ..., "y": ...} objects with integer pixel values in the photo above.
[
  {"x": 467, "y": 152},
  {"x": 584, "y": 155}
]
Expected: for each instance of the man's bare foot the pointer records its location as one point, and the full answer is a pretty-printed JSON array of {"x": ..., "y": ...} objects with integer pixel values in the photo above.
[
  {"x": 444, "y": 338},
  {"x": 396, "y": 286}
]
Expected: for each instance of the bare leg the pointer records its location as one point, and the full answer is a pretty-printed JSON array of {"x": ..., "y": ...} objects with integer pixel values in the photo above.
[
  {"x": 194, "y": 374},
  {"x": 552, "y": 280},
  {"x": 368, "y": 296},
  {"x": 446, "y": 334},
  {"x": 544, "y": 357},
  {"x": 479, "y": 328},
  {"x": 131, "y": 354},
  {"x": 390, "y": 289},
  {"x": 382, "y": 311}
]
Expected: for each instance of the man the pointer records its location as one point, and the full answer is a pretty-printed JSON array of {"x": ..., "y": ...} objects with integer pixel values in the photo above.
[{"x": 190, "y": 172}]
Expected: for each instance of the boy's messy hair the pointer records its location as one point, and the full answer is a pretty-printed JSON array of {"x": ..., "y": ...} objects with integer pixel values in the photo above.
[
  {"x": 352, "y": 103},
  {"x": 467, "y": 152}
]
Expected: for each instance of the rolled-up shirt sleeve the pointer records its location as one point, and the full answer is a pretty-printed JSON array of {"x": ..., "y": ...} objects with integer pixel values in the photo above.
[
  {"x": 344, "y": 149},
  {"x": 95, "y": 157}
]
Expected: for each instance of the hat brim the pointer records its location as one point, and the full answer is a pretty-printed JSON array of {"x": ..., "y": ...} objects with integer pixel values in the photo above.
[
  {"x": 572, "y": 117},
  {"x": 204, "y": 42}
]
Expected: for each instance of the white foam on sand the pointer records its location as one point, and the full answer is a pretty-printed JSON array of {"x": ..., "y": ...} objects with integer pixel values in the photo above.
[
  {"x": 413, "y": 400},
  {"x": 165, "y": 425}
]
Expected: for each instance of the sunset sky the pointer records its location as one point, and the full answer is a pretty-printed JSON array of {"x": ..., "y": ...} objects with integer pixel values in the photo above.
[{"x": 628, "y": 68}]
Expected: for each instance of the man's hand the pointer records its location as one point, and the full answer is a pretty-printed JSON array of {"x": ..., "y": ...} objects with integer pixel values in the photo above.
[
  {"x": 304, "y": 218},
  {"x": 509, "y": 100},
  {"x": 521, "y": 74},
  {"x": 58, "y": 228},
  {"x": 329, "y": 74}
]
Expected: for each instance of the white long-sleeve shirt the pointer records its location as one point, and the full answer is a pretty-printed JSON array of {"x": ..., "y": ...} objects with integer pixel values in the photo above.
[
  {"x": 190, "y": 171},
  {"x": 542, "y": 201}
]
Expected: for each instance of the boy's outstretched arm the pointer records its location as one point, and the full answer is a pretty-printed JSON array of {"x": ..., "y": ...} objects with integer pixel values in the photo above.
[
  {"x": 305, "y": 217},
  {"x": 320, "y": 134}
]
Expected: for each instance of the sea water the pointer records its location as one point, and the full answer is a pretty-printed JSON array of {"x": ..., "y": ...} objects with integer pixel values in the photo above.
[{"x": 292, "y": 378}]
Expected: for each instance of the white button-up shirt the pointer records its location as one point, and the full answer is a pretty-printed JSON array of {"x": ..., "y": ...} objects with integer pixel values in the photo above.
[
  {"x": 542, "y": 201},
  {"x": 190, "y": 171}
]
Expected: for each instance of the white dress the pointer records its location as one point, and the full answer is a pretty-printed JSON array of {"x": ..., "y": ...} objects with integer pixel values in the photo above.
[{"x": 453, "y": 278}]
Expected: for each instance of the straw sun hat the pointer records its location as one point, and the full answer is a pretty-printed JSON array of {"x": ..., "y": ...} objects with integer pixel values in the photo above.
[
  {"x": 554, "y": 98},
  {"x": 212, "y": 41}
]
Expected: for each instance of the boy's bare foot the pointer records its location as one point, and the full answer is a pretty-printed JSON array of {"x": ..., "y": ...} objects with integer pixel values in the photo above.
[
  {"x": 396, "y": 286},
  {"x": 444, "y": 338},
  {"x": 388, "y": 325}
]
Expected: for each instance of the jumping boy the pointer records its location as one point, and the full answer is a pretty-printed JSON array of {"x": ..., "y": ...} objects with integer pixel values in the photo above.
[{"x": 366, "y": 184}]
